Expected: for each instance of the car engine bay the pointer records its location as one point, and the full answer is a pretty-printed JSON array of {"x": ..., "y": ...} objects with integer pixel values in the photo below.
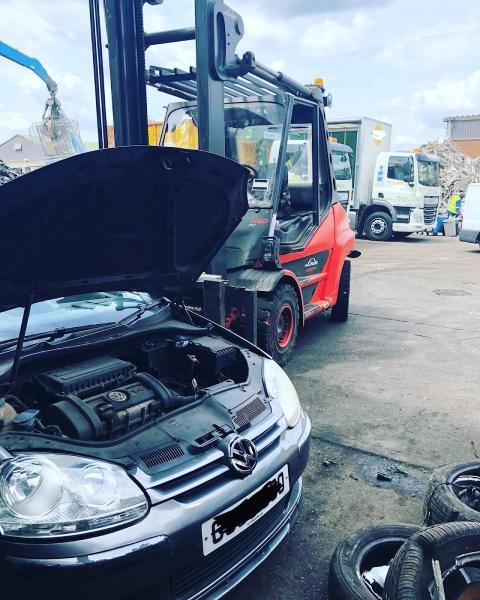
[{"x": 109, "y": 396}]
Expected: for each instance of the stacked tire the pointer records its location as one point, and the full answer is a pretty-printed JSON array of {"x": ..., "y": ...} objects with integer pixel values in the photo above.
[
  {"x": 440, "y": 560},
  {"x": 359, "y": 555}
]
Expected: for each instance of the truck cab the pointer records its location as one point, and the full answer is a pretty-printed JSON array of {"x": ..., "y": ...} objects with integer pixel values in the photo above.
[
  {"x": 408, "y": 185},
  {"x": 394, "y": 193}
]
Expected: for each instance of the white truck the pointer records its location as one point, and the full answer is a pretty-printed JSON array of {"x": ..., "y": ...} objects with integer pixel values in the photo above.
[{"x": 394, "y": 193}]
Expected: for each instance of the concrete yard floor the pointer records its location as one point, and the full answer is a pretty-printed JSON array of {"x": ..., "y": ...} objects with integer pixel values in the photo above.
[{"x": 396, "y": 387}]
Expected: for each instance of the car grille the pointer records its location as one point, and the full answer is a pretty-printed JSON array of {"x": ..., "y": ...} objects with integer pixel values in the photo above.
[
  {"x": 249, "y": 412},
  {"x": 161, "y": 455},
  {"x": 203, "y": 574},
  {"x": 192, "y": 479},
  {"x": 430, "y": 209}
]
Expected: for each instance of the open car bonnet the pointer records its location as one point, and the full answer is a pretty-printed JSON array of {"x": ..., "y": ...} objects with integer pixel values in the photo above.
[{"x": 129, "y": 218}]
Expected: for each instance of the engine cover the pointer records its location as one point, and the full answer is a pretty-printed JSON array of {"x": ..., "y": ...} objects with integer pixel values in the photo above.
[{"x": 105, "y": 415}]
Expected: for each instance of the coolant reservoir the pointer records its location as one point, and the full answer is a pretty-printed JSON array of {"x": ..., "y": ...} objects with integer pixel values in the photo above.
[{"x": 7, "y": 412}]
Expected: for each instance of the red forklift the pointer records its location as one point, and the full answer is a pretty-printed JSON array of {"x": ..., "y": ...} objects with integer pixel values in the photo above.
[{"x": 287, "y": 261}]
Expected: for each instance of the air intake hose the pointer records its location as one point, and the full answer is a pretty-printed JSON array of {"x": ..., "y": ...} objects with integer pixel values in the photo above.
[{"x": 168, "y": 398}]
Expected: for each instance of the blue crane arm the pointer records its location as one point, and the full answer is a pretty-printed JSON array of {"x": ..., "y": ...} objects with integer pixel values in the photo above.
[{"x": 30, "y": 63}]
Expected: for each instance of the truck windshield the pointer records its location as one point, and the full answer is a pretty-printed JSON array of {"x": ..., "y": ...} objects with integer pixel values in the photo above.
[
  {"x": 341, "y": 165},
  {"x": 429, "y": 172},
  {"x": 253, "y": 131}
]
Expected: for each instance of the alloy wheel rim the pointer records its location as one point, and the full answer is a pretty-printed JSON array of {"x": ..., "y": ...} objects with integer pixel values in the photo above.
[{"x": 285, "y": 326}]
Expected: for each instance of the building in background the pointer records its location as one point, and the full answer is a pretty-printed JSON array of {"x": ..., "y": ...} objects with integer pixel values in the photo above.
[
  {"x": 464, "y": 132},
  {"x": 21, "y": 152}
]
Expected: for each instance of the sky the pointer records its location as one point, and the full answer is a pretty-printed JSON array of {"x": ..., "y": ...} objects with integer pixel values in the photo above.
[{"x": 408, "y": 62}]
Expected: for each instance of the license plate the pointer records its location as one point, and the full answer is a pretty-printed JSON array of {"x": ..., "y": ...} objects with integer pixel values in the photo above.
[{"x": 224, "y": 527}]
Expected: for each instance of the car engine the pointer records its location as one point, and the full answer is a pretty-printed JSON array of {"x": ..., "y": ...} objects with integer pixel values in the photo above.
[{"x": 106, "y": 397}]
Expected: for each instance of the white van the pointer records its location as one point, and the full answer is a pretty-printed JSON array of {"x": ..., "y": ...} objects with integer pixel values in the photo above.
[{"x": 470, "y": 231}]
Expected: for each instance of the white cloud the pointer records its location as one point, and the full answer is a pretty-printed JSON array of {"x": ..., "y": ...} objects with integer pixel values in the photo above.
[
  {"x": 329, "y": 38},
  {"x": 289, "y": 8},
  {"x": 461, "y": 95},
  {"x": 14, "y": 122},
  {"x": 263, "y": 29},
  {"x": 395, "y": 102},
  {"x": 426, "y": 48}
]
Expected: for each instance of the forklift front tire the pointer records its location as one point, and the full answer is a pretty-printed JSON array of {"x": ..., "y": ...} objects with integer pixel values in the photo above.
[
  {"x": 340, "y": 309},
  {"x": 278, "y": 320}
]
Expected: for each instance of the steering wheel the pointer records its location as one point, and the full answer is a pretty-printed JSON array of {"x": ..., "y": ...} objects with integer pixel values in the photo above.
[{"x": 253, "y": 170}]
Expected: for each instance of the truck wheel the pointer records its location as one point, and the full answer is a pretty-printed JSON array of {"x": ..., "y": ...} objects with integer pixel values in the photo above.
[
  {"x": 278, "y": 318},
  {"x": 340, "y": 309},
  {"x": 378, "y": 227}
]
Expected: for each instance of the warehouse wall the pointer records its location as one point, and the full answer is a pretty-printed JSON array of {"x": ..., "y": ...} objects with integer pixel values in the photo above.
[{"x": 469, "y": 147}]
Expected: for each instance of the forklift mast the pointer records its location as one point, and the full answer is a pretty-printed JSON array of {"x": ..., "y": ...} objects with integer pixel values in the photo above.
[{"x": 219, "y": 73}]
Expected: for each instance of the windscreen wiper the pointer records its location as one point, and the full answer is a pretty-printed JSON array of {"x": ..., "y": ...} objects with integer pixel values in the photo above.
[
  {"x": 54, "y": 334},
  {"x": 140, "y": 311}
]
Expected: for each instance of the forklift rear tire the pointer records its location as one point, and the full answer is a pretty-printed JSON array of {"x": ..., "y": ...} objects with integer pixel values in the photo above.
[
  {"x": 278, "y": 319},
  {"x": 340, "y": 309},
  {"x": 378, "y": 226}
]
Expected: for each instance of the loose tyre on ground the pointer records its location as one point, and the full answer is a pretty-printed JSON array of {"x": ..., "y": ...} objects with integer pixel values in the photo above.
[
  {"x": 351, "y": 576},
  {"x": 278, "y": 321},
  {"x": 340, "y": 310},
  {"x": 378, "y": 226},
  {"x": 453, "y": 494},
  {"x": 444, "y": 559}
]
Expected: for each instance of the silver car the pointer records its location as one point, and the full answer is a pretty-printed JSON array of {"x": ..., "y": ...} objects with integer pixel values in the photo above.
[{"x": 145, "y": 452}]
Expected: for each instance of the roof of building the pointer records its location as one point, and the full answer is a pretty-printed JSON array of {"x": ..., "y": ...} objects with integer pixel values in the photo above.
[
  {"x": 462, "y": 118},
  {"x": 28, "y": 150}
]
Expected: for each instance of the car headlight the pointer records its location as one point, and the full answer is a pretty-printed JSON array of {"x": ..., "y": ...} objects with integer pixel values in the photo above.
[
  {"x": 279, "y": 387},
  {"x": 49, "y": 495}
]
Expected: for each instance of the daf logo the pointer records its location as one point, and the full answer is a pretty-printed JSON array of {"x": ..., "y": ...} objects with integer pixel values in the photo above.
[
  {"x": 313, "y": 262},
  {"x": 242, "y": 455}
]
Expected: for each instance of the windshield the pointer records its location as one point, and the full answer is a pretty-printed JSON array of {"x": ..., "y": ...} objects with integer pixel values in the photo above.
[
  {"x": 253, "y": 131},
  {"x": 429, "y": 172},
  {"x": 72, "y": 311},
  {"x": 341, "y": 164}
]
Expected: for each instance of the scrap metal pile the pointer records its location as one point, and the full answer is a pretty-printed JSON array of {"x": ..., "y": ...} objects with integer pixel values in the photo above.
[
  {"x": 456, "y": 169},
  {"x": 8, "y": 173}
]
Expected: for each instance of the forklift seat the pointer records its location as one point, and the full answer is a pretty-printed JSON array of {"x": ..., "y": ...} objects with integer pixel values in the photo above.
[{"x": 291, "y": 231}]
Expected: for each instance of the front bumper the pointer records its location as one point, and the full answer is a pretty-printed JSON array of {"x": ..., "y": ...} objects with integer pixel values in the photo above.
[
  {"x": 164, "y": 550},
  {"x": 409, "y": 227},
  {"x": 415, "y": 222}
]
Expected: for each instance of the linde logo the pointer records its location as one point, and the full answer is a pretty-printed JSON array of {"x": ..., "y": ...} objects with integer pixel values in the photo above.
[{"x": 313, "y": 262}]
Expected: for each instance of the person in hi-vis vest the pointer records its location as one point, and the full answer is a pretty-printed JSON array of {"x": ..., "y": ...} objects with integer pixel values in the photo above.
[{"x": 455, "y": 204}]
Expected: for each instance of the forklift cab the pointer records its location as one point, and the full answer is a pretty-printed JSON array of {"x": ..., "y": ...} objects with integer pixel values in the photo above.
[{"x": 278, "y": 139}]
